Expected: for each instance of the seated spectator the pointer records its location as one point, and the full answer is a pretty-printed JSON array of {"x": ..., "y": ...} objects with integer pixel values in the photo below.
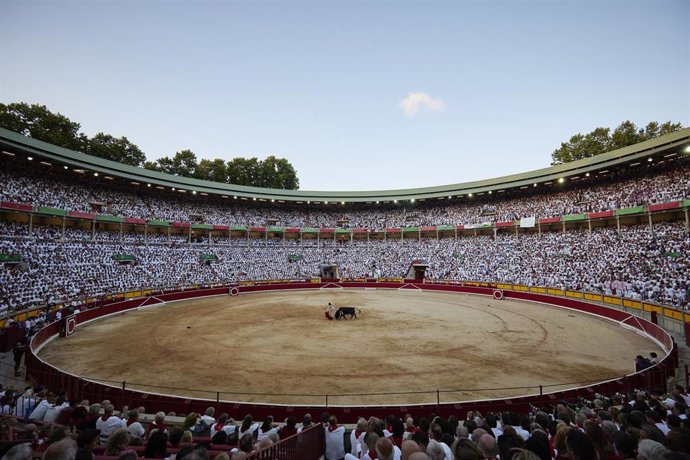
[
  {"x": 225, "y": 423},
  {"x": 108, "y": 423},
  {"x": 118, "y": 441},
  {"x": 580, "y": 447},
  {"x": 22, "y": 451},
  {"x": 134, "y": 426},
  {"x": 158, "y": 424},
  {"x": 650, "y": 450},
  {"x": 289, "y": 429},
  {"x": 157, "y": 445},
  {"x": 61, "y": 450},
  {"x": 267, "y": 428},
  {"x": 248, "y": 426}
]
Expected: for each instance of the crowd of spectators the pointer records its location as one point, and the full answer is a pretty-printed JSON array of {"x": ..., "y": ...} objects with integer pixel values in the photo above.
[
  {"x": 647, "y": 185},
  {"x": 640, "y": 425},
  {"x": 636, "y": 263},
  {"x": 65, "y": 262}
]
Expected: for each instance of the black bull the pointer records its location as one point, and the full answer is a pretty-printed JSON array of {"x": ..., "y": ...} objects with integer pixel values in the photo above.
[{"x": 343, "y": 312}]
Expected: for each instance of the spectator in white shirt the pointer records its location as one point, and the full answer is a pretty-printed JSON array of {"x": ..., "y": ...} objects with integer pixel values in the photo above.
[{"x": 108, "y": 423}]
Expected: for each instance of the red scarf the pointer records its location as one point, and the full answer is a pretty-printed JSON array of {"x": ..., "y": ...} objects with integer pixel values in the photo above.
[
  {"x": 396, "y": 440},
  {"x": 332, "y": 428},
  {"x": 157, "y": 426},
  {"x": 412, "y": 429},
  {"x": 357, "y": 433},
  {"x": 219, "y": 426},
  {"x": 372, "y": 454},
  {"x": 105, "y": 418},
  {"x": 130, "y": 421}
]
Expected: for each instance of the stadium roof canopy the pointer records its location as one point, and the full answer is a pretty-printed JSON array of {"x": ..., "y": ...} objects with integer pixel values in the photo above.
[{"x": 667, "y": 146}]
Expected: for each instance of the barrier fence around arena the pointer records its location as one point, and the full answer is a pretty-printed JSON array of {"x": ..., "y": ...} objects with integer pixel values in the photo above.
[
  {"x": 674, "y": 320},
  {"x": 443, "y": 402}
]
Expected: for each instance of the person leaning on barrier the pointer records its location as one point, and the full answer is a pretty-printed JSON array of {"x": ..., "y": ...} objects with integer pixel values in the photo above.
[{"x": 306, "y": 423}]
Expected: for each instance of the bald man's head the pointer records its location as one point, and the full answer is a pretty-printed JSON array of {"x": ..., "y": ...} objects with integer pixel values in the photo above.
[
  {"x": 419, "y": 456},
  {"x": 476, "y": 434},
  {"x": 408, "y": 448},
  {"x": 462, "y": 432},
  {"x": 487, "y": 444},
  {"x": 370, "y": 439},
  {"x": 384, "y": 449}
]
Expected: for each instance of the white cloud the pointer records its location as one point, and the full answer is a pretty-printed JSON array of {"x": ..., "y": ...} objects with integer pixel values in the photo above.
[{"x": 416, "y": 101}]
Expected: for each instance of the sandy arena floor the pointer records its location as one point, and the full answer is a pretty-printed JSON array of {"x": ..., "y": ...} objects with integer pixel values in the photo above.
[{"x": 403, "y": 341}]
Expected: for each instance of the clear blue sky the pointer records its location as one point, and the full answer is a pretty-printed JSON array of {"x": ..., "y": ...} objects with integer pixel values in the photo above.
[{"x": 497, "y": 84}]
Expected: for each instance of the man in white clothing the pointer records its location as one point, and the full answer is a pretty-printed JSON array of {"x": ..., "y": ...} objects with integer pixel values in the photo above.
[
  {"x": 335, "y": 440},
  {"x": 355, "y": 441},
  {"x": 41, "y": 408},
  {"x": 225, "y": 423},
  {"x": 134, "y": 426},
  {"x": 108, "y": 423},
  {"x": 54, "y": 410}
]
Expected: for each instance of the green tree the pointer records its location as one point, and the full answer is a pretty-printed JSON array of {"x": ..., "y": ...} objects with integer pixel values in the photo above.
[
  {"x": 602, "y": 140},
  {"x": 182, "y": 164},
  {"x": 594, "y": 143},
  {"x": 624, "y": 135},
  {"x": 120, "y": 150},
  {"x": 243, "y": 171},
  {"x": 152, "y": 165},
  {"x": 213, "y": 170},
  {"x": 38, "y": 122},
  {"x": 651, "y": 130},
  {"x": 669, "y": 127},
  {"x": 568, "y": 151},
  {"x": 279, "y": 173}
]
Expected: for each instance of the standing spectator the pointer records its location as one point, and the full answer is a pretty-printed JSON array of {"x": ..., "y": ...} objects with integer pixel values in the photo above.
[
  {"x": 335, "y": 440},
  {"x": 19, "y": 350}
]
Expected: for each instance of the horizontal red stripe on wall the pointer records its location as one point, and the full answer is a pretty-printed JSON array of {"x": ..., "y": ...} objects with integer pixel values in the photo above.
[
  {"x": 81, "y": 215},
  {"x": 134, "y": 220},
  {"x": 600, "y": 215},
  {"x": 16, "y": 206},
  {"x": 550, "y": 220},
  {"x": 663, "y": 206}
]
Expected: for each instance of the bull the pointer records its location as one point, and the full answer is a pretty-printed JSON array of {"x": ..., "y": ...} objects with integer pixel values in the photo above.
[{"x": 344, "y": 312}]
